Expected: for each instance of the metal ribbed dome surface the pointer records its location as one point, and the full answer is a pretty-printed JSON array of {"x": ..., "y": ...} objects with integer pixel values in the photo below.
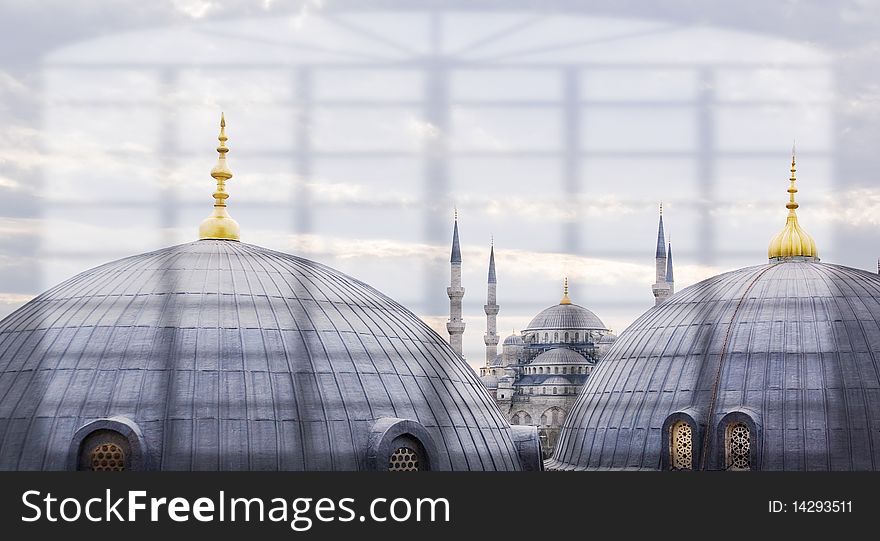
[
  {"x": 565, "y": 317},
  {"x": 230, "y": 356},
  {"x": 559, "y": 356},
  {"x": 794, "y": 345}
]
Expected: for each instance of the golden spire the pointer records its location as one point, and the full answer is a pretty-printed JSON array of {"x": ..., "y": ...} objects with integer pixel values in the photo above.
[
  {"x": 792, "y": 241},
  {"x": 565, "y": 298},
  {"x": 220, "y": 225}
]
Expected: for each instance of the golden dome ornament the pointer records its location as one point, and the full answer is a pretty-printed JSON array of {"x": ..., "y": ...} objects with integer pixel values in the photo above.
[
  {"x": 792, "y": 241},
  {"x": 220, "y": 225}
]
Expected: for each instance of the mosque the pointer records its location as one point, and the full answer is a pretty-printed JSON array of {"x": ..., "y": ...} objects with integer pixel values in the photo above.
[
  {"x": 540, "y": 372},
  {"x": 221, "y": 355}
]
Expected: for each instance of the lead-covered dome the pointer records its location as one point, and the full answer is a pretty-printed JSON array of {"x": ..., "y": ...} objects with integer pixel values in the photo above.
[
  {"x": 223, "y": 355},
  {"x": 566, "y": 316},
  {"x": 774, "y": 367},
  {"x": 513, "y": 340}
]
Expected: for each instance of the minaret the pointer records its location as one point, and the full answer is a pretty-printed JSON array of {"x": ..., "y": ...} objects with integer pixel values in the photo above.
[
  {"x": 660, "y": 288},
  {"x": 220, "y": 225},
  {"x": 670, "y": 277},
  {"x": 491, "y": 308},
  {"x": 455, "y": 325}
]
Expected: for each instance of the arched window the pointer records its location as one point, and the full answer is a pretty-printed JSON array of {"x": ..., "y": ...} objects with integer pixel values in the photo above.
[
  {"x": 555, "y": 369},
  {"x": 544, "y": 419},
  {"x": 515, "y": 420},
  {"x": 738, "y": 447},
  {"x": 564, "y": 368},
  {"x": 577, "y": 337},
  {"x": 530, "y": 390},
  {"x": 566, "y": 336},
  {"x": 556, "y": 337},
  {"x": 545, "y": 337},
  {"x": 681, "y": 446},
  {"x": 554, "y": 390},
  {"x": 541, "y": 370}
]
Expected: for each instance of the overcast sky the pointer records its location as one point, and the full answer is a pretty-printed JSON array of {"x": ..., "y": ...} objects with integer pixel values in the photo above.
[{"x": 356, "y": 127}]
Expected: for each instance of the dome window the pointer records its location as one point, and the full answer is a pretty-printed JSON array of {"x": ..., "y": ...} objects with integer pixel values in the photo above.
[
  {"x": 112, "y": 444},
  {"x": 681, "y": 446},
  {"x": 400, "y": 445},
  {"x": 738, "y": 447},
  {"x": 577, "y": 336},
  {"x": 404, "y": 459},
  {"x": 107, "y": 457},
  {"x": 566, "y": 336},
  {"x": 554, "y": 390}
]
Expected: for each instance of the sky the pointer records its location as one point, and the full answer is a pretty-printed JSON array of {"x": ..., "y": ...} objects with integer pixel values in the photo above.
[{"x": 355, "y": 129}]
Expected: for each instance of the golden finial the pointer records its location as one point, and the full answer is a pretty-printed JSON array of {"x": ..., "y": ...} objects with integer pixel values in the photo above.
[
  {"x": 792, "y": 241},
  {"x": 220, "y": 225},
  {"x": 565, "y": 298}
]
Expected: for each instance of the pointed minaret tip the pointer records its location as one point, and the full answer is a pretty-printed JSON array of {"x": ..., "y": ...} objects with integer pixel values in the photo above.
[
  {"x": 492, "y": 277},
  {"x": 455, "y": 257},
  {"x": 220, "y": 225},
  {"x": 661, "y": 237}
]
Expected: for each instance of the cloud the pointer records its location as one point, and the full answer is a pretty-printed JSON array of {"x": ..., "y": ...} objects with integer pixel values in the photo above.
[
  {"x": 195, "y": 9},
  {"x": 305, "y": 11},
  {"x": 568, "y": 210}
]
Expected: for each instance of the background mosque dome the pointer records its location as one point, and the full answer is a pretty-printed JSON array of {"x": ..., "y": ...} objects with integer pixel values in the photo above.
[
  {"x": 559, "y": 356},
  {"x": 788, "y": 349},
  {"x": 223, "y": 355},
  {"x": 565, "y": 316},
  {"x": 513, "y": 340}
]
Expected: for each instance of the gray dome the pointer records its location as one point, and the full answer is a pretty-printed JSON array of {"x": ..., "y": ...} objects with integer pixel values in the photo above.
[
  {"x": 223, "y": 355},
  {"x": 566, "y": 317},
  {"x": 559, "y": 356},
  {"x": 790, "y": 349},
  {"x": 513, "y": 340}
]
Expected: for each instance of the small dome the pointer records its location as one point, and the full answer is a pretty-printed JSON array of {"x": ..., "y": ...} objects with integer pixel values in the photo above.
[
  {"x": 608, "y": 339},
  {"x": 513, "y": 340},
  {"x": 559, "y": 356},
  {"x": 566, "y": 317}
]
